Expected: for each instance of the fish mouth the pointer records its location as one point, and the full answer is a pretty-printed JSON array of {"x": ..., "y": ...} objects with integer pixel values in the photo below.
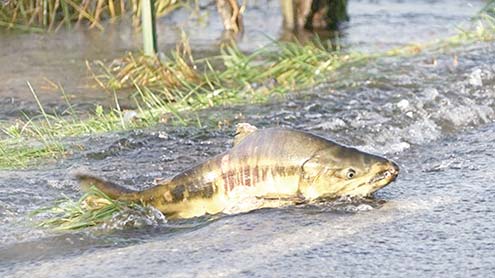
[
  {"x": 384, "y": 177},
  {"x": 366, "y": 186}
]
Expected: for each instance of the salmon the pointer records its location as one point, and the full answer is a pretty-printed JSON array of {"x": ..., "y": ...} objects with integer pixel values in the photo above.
[{"x": 270, "y": 167}]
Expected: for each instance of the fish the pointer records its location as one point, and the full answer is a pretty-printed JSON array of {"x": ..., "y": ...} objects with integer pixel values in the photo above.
[{"x": 269, "y": 167}]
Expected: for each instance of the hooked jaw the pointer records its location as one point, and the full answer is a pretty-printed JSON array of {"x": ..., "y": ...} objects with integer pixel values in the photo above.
[{"x": 384, "y": 177}]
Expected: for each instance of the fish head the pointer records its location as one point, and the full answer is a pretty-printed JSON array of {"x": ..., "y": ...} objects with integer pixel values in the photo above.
[{"x": 342, "y": 171}]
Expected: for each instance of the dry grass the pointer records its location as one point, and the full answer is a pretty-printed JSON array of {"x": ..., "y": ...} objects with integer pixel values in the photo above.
[{"x": 39, "y": 15}]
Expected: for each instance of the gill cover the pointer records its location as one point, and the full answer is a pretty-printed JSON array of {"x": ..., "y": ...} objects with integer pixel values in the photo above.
[{"x": 314, "y": 170}]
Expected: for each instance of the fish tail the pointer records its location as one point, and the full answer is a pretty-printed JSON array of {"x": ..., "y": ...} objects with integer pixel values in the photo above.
[{"x": 111, "y": 189}]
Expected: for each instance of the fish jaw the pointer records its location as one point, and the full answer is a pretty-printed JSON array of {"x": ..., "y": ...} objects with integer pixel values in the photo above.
[{"x": 385, "y": 177}]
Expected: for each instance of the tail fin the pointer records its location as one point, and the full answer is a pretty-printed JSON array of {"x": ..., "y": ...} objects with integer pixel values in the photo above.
[{"x": 111, "y": 189}]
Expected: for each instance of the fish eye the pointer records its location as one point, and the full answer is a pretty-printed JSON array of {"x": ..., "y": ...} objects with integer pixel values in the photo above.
[{"x": 351, "y": 173}]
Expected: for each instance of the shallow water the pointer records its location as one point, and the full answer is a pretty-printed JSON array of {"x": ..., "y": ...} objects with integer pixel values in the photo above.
[
  {"x": 54, "y": 60},
  {"x": 436, "y": 121}
]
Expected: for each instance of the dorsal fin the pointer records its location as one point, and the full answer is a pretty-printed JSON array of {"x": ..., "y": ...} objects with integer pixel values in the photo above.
[{"x": 242, "y": 131}]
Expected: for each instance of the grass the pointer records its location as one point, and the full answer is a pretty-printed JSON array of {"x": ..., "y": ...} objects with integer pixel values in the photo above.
[
  {"x": 92, "y": 209},
  {"x": 21, "y": 154},
  {"x": 231, "y": 77},
  {"x": 29, "y": 141},
  {"x": 51, "y": 15}
]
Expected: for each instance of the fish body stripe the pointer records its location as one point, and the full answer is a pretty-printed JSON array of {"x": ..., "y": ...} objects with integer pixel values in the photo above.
[{"x": 252, "y": 176}]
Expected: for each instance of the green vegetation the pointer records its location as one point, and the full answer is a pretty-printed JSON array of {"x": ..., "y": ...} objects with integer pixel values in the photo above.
[
  {"x": 91, "y": 209},
  {"x": 489, "y": 9},
  {"x": 231, "y": 77},
  {"x": 32, "y": 139},
  {"x": 40, "y": 15}
]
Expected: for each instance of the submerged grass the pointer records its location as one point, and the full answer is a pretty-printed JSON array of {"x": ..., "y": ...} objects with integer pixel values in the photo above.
[
  {"x": 480, "y": 29},
  {"x": 40, "y": 15},
  {"x": 92, "y": 209}
]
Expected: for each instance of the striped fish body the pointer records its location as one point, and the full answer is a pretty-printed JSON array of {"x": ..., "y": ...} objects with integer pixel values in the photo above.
[{"x": 265, "y": 168}]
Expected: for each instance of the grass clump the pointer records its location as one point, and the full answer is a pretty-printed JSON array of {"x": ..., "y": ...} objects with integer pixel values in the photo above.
[
  {"x": 40, "y": 15},
  {"x": 92, "y": 209},
  {"x": 231, "y": 77},
  {"x": 26, "y": 141},
  {"x": 14, "y": 154}
]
